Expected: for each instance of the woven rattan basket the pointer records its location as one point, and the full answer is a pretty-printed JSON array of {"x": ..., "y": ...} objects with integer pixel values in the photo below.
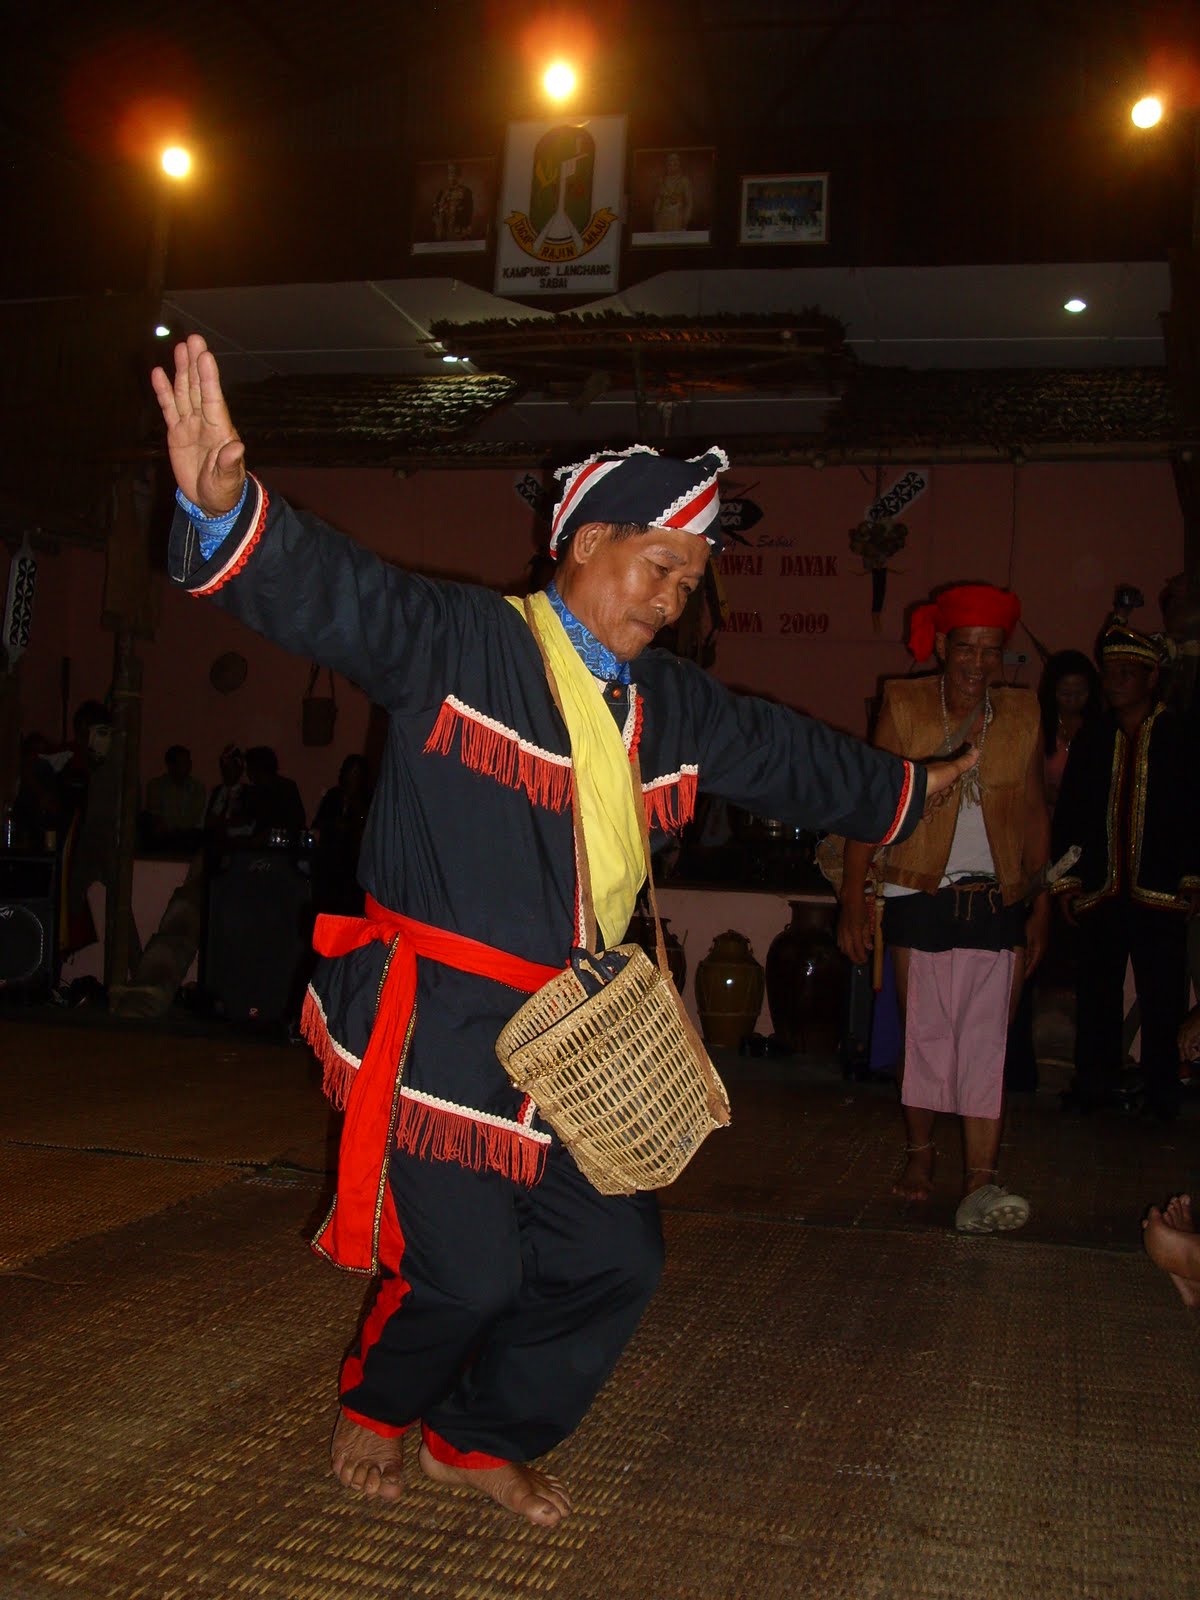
[{"x": 617, "y": 1075}]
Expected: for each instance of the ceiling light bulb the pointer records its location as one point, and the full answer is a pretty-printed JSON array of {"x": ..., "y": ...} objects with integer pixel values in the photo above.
[
  {"x": 559, "y": 81},
  {"x": 176, "y": 162},
  {"x": 1075, "y": 306},
  {"x": 1147, "y": 112}
]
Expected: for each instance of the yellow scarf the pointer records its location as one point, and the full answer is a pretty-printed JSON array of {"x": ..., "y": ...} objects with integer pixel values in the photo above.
[{"x": 600, "y": 768}]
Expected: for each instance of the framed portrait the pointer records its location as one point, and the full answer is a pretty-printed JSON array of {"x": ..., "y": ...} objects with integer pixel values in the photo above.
[
  {"x": 671, "y": 195},
  {"x": 453, "y": 205},
  {"x": 785, "y": 208}
]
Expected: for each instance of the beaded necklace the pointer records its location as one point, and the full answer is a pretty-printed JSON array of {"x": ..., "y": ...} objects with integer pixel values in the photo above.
[{"x": 971, "y": 793}]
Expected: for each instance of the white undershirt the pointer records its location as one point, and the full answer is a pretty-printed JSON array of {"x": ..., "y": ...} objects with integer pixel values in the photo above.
[{"x": 970, "y": 853}]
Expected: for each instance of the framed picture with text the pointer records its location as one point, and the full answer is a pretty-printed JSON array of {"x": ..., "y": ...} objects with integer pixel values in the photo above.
[{"x": 784, "y": 208}]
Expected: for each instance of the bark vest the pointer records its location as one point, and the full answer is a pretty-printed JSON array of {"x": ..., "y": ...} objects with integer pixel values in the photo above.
[{"x": 916, "y": 714}]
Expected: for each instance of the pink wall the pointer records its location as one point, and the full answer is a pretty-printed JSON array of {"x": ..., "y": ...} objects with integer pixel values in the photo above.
[{"x": 1072, "y": 534}]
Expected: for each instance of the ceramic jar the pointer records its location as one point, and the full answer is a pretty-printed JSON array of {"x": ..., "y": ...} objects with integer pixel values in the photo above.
[
  {"x": 729, "y": 991},
  {"x": 807, "y": 977},
  {"x": 641, "y": 931}
]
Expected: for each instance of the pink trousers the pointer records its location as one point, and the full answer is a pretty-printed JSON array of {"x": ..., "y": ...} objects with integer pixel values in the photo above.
[{"x": 956, "y": 1026}]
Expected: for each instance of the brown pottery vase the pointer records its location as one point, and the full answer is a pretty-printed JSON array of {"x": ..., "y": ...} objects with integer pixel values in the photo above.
[
  {"x": 641, "y": 931},
  {"x": 729, "y": 991},
  {"x": 807, "y": 977}
]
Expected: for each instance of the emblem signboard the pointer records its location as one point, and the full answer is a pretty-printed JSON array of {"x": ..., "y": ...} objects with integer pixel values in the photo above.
[{"x": 558, "y": 222}]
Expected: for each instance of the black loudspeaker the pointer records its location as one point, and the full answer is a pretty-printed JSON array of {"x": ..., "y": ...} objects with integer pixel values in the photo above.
[
  {"x": 28, "y": 919},
  {"x": 257, "y": 947}
]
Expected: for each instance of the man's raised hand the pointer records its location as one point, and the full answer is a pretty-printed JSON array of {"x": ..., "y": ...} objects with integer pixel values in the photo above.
[
  {"x": 207, "y": 456},
  {"x": 940, "y": 775}
]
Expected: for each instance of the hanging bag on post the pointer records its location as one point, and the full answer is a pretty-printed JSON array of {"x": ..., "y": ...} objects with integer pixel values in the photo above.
[
  {"x": 606, "y": 1051},
  {"x": 318, "y": 713}
]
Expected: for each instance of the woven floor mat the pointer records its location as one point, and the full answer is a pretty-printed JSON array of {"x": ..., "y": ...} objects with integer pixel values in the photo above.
[
  {"x": 51, "y": 1197},
  {"x": 223, "y": 1099},
  {"x": 822, "y": 1412},
  {"x": 815, "y": 1149}
]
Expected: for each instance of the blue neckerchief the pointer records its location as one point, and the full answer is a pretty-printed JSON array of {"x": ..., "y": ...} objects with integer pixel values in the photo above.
[{"x": 596, "y": 657}]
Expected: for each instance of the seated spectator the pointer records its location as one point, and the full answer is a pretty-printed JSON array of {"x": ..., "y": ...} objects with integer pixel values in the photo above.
[
  {"x": 175, "y": 805},
  {"x": 37, "y": 805},
  {"x": 85, "y": 787},
  {"x": 270, "y": 802},
  {"x": 338, "y": 825},
  {"x": 225, "y": 817}
]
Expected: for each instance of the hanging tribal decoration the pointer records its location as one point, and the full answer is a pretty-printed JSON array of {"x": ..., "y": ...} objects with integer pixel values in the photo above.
[
  {"x": 18, "y": 609},
  {"x": 876, "y": 543}
]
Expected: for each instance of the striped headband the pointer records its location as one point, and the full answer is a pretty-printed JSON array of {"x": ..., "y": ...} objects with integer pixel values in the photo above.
[{"x": 640, "y": 486}]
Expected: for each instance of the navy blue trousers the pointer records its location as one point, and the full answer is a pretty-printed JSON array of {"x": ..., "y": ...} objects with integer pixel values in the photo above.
[
  {"x": 1110, "y": 934},
  {"x": 505, "y": 1308}
]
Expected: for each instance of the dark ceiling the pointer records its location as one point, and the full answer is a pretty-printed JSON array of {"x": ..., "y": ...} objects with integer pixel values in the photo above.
[{"x": 954, "y": 130}]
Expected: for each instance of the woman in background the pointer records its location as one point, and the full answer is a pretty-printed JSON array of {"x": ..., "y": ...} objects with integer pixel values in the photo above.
[{"x": 1069, "y": 696}]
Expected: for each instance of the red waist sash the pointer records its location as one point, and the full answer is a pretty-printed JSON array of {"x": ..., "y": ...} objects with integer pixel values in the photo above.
[{"x": 350, "y": 1233}]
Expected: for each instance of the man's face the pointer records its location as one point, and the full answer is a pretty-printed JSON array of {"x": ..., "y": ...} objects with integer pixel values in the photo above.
[
  {"x": 625, "y": 590},
  {"x": 974, "y": 657},
  {"x": 1127, "y": 683}
]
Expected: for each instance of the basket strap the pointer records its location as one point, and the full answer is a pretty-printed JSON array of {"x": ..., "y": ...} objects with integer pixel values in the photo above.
[
  {"x": 718, "y": 1106},
  {"x": 590, "y": 937}
]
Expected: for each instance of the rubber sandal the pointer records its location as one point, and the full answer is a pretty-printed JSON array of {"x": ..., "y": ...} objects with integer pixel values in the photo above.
[{"x": 991, "y": 1209}]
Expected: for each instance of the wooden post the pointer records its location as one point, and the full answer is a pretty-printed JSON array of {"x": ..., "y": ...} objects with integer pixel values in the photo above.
[{"x": 127, "y": 612}]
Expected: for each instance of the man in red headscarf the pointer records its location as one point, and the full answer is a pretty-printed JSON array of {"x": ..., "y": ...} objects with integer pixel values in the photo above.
[{"x": 964, "y": 911}]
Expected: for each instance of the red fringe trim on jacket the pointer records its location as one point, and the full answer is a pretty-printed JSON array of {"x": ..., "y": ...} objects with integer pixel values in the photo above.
[
  {"x": 435, "y": 1132},
  {"x": 499, "y": 755},
  {"x": 337, "y": 1072},
  {"x": 670, "y": 806},
  {"x": 439, "y": 1133}
]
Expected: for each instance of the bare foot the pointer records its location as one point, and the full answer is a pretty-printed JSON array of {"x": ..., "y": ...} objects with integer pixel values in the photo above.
[
  {"x": 1178, "y": 1213},
  {"x": 522, "y": 1490},
  {"x": 366, "y": 1461},
  {"x": 1173, "y": 1244},
  {"x": 916, "y": 1181}
]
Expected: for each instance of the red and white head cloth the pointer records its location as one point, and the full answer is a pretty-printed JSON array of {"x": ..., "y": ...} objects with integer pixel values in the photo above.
[{"x": 640, "y": 486}]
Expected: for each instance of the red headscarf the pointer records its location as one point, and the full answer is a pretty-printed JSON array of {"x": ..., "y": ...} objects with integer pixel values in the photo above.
[{"x": 967, "y": 605}]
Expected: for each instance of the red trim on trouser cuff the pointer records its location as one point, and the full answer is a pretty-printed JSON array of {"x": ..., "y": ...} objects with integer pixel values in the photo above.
[
  {"x": 471, "y": 1460},
  {"x": 385, "y": 1305},
  {"x": 388, "y": 1300},
  {"x": 385, "y": 1430}
]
